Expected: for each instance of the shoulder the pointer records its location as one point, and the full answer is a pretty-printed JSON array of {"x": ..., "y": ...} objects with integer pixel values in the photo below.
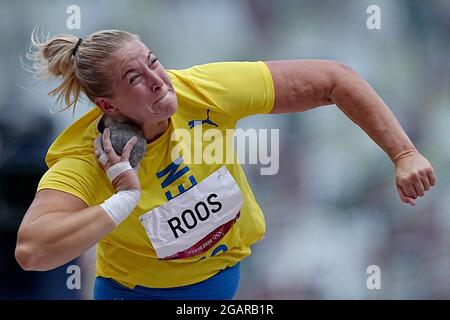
[
  {"x": 222, "y": 78},
  {"x": 76, "y": 140},
  {"x": 221, "y": 69}
]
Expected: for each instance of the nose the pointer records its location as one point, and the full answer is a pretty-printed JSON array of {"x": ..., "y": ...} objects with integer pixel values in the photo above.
[{"x": 154, "y": 81}]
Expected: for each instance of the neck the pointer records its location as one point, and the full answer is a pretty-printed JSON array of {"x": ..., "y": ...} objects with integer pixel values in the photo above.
[{"x": 154, "y": 130}]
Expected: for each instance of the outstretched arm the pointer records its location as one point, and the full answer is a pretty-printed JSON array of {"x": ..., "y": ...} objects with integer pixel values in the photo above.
[{"x": 301, "y": 85}]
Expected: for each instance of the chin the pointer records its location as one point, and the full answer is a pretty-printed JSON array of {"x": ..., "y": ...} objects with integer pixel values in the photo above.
[
  {"x": 165, "y": 114},
  {"x": 170, "y": 107}
]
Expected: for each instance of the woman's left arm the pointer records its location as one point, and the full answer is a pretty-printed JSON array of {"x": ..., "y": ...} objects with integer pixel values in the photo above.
[{"x": 301, "y": 85}]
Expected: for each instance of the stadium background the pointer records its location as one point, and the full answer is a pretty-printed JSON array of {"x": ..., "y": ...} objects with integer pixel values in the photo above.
[{"x": 333, "y": 209}]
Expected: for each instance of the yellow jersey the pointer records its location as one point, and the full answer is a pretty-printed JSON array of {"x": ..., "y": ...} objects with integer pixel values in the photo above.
[{"x": 222, "y": 93}]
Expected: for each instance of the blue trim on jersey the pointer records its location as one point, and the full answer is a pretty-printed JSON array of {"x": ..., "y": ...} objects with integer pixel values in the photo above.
[{"x": 222, "y": 286}]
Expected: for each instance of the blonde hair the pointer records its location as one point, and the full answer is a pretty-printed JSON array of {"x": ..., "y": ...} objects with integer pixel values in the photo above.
[{"x": 87, "y": 70}]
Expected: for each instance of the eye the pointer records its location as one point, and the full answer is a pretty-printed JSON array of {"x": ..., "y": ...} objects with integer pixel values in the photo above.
[
  {"x": 134, "y": 77},
  {"x": 153, "y": 64}
]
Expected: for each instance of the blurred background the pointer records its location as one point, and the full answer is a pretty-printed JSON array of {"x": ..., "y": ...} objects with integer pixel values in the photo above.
[{"x": 332, "y": 210}]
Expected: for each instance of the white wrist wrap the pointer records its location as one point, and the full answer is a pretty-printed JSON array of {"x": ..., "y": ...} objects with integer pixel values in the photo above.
[
  {"x": 120, "y": 205},
  {"x": 113, "y": 171}
]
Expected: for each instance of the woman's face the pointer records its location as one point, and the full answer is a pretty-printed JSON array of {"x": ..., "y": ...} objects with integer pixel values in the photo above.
[{"x": 142, "y": 90}]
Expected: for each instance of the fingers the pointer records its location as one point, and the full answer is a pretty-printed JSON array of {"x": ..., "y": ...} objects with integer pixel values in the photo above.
[
  {"x": 112, "y": 157},
  {"x": 431, "y": 176},
  {"x": 409, "y": 190},
  {"x": 105, "y": 154},
  {"x": 425, "y": 181},
  {"x": 128, "y": 148},
  {"x": 415, "y": 176},
  {"x": 107, "y": 157},
  {"x": 404, "y": 198},
  {"x": 419, "y": 187},
  {"x": 417, "y": 184},
  {"x": 99, "y": 152},
  {"x": 411, "y": 187},
  {"x": 97, "y": 146},
  {"x": 107, "y": 146}
]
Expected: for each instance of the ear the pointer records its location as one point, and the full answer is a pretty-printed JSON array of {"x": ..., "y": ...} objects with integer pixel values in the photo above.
[{"x": 105, "y": 105}]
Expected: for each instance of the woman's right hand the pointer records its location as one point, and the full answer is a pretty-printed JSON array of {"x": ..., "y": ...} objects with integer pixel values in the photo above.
[{"x": 107, "y": 157}]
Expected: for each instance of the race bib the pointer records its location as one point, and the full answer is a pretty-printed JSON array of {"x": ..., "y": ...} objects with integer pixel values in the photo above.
[{"x": 197, "y": 219}]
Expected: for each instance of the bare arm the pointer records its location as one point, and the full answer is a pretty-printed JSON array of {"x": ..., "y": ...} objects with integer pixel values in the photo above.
[
  {"x": 57, "y": 228},
  {"x": 301, "y": 85}
]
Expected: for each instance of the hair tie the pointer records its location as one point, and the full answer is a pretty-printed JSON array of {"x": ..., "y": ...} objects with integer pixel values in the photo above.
[{"x": 74, "y": 51}]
